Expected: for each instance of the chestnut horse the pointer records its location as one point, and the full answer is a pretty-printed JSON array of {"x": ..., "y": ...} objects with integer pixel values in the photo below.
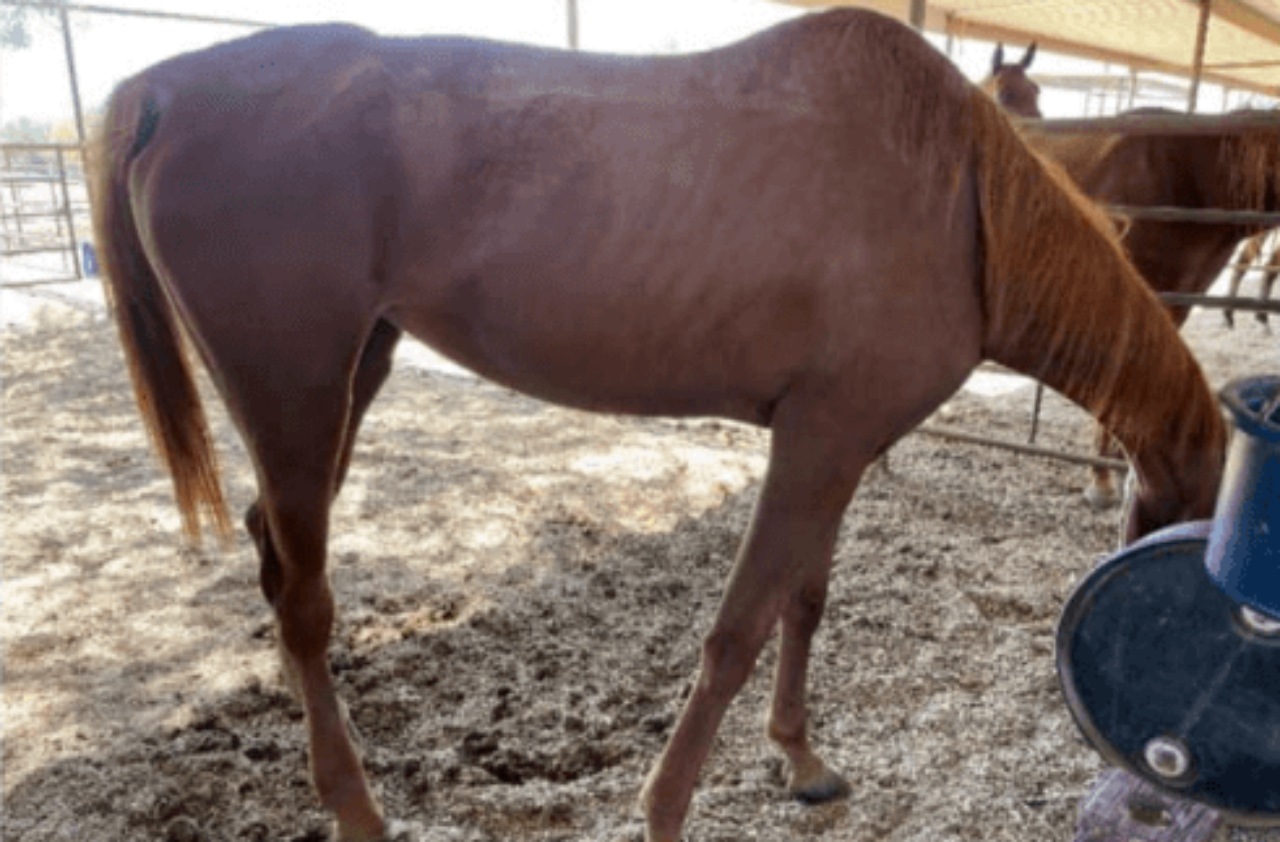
[
  {"x": 821, "y": 230},
  {"x": 1010, "y": 85},
  {"x": 1227, "y": 170},
  {"x": 1260, "y": 252}
]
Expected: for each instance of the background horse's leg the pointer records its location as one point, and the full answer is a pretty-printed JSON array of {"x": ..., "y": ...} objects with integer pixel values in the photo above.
[
  {"x": 1245, "y": 257},
  {"x": 1101, "y": 493},
  {"x": 1264, "y": 294},
  {"x": 806, "y": 488},
  {"x": 811, "y": 780}
]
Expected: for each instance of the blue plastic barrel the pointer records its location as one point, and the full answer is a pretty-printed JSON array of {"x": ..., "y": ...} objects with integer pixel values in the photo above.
[
  {"x": 88, "y": 260},
  {"x": 1243, "y": 553}
]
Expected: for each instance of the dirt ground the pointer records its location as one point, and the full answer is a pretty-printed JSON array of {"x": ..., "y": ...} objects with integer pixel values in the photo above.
[{"x": 523, "y": 594}]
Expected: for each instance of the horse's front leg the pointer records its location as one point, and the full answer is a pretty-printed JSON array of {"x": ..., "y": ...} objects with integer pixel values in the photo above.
[{"x": 805, "y": 491}]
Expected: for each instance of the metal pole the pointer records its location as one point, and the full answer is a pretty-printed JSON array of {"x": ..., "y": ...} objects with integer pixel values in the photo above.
[
  {"x": 1163, "y": 124},
  {"x": 1204, "y": 216},
  {"x": 71, "y": 219},
  {"x": 1035, "y": 412},
  {"x": 1017, "y": 447},
  {"x": 1219, "y": 302},
  {"x": 134, "y": 13},
  {"x": 71, "y": 72},
  {"x": 571, "y": 14},
  {"x": 917, "y": 13},
  {"x": 1197, "y": 67}
]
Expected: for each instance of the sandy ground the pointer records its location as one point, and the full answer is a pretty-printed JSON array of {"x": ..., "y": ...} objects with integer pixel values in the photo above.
[{"x": 524, "y": 590}]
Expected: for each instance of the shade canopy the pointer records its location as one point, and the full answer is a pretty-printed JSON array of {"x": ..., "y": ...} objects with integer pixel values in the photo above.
[{"x": 1242, "y": 45}]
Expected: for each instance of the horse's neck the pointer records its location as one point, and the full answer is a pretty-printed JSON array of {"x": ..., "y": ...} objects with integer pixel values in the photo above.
[{"x": 1063, "y": 305}]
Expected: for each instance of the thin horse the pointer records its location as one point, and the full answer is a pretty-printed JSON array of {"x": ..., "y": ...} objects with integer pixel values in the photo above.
[
  {"x": 735, "y": 233},
  {"x": 1226, "y": 170}
]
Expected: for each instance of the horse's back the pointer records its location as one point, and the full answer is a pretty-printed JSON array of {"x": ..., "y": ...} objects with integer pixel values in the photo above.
[{"x": 711, "y": 224}]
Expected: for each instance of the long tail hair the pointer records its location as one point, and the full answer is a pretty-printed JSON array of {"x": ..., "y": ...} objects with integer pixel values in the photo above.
[
  {"x": 153, "y": 344},
  {"x": 1063, "y": 303}
]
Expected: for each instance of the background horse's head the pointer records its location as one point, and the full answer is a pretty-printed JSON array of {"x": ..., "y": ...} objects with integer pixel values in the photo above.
[{"x": 1010, "y": 85}]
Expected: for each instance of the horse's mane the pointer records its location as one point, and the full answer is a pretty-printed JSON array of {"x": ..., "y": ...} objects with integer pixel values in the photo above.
[
  {"x": 1052, "y": 258},
  {"x": 1053, "y": 263}
]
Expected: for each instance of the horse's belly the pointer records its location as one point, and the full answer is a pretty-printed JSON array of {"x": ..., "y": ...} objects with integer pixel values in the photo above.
[{"x": 621, "y": 350}]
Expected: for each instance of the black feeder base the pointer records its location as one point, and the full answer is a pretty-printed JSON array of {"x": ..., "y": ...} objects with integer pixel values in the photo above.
[{"x": 1172, "y": 682}]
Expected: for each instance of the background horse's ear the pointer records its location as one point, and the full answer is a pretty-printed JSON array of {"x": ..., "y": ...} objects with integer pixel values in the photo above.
[
  {"x": 1028, "y": 56},
  {"x": 997, "y": 60}
]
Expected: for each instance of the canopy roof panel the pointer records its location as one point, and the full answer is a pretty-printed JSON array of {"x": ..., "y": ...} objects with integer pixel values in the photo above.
[{"x": 1242, "y": 48}]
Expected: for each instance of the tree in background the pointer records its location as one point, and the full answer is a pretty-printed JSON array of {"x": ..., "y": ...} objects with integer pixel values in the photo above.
[
  {"x": 15, "y": 22},
  {"x": 26, "y": 130}
]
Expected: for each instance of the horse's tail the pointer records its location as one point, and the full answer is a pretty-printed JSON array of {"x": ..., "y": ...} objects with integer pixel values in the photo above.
[
  {"x": 159, "y": 367},
  {"x": 1063, "y": 303}
]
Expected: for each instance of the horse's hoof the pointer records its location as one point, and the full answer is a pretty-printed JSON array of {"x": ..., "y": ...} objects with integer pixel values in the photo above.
[
  {"x": 826, "y": 786},
  {"x": 399, "y": 831},
  {"x": 1101, "y": 499},
  {"x": 368, "y": 828}
]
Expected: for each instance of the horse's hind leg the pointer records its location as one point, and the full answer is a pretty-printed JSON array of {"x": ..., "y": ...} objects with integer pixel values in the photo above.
[
  {"x": 371, "y": 373},
  {"x": 297, "y": 424}
]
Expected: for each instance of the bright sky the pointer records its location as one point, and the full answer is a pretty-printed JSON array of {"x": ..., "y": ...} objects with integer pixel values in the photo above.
[{"x": 33, "y": 82}]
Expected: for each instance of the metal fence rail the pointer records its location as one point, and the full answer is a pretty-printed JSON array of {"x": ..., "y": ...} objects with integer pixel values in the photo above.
[{"x": 43, "y": 204}]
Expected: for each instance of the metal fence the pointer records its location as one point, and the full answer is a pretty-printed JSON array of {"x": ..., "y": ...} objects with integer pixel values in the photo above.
[{"x": 44, "y": 214}]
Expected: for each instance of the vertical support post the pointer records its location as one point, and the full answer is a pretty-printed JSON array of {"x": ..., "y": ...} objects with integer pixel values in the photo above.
[
  {"x": 1133, "y": 87},
  {"x": 1197, "y": 66},
  {"x": 571, "y": 17},
  {"x": 69, "y": 213},
  {"x": 1035, "y": 412},
  {"x": 917, "y": 13},
  {"x": 15, "y": 194},
  {"x": 71, "y": 73}
]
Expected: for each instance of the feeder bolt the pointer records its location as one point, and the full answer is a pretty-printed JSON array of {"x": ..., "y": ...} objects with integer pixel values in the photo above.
[
  {"x": 1167, "y": 757},
  {"x": 1259, "y": 623}
]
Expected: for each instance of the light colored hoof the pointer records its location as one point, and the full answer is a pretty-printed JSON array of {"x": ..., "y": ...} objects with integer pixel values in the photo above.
[
  {"x": 398, "y": 831},
  {"x": 820, "y": 788},
  {"x": 1101, "y": 499},
  {"x": 348, "y": 835},
  {"x": 366, "y": 826}
]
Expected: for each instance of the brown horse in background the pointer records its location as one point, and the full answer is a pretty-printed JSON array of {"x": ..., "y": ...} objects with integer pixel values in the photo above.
[
  {"x": 1010, "y": 85},
  {"x": 822, "y": 229},
  {"x": 1226, "y": 170}
]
